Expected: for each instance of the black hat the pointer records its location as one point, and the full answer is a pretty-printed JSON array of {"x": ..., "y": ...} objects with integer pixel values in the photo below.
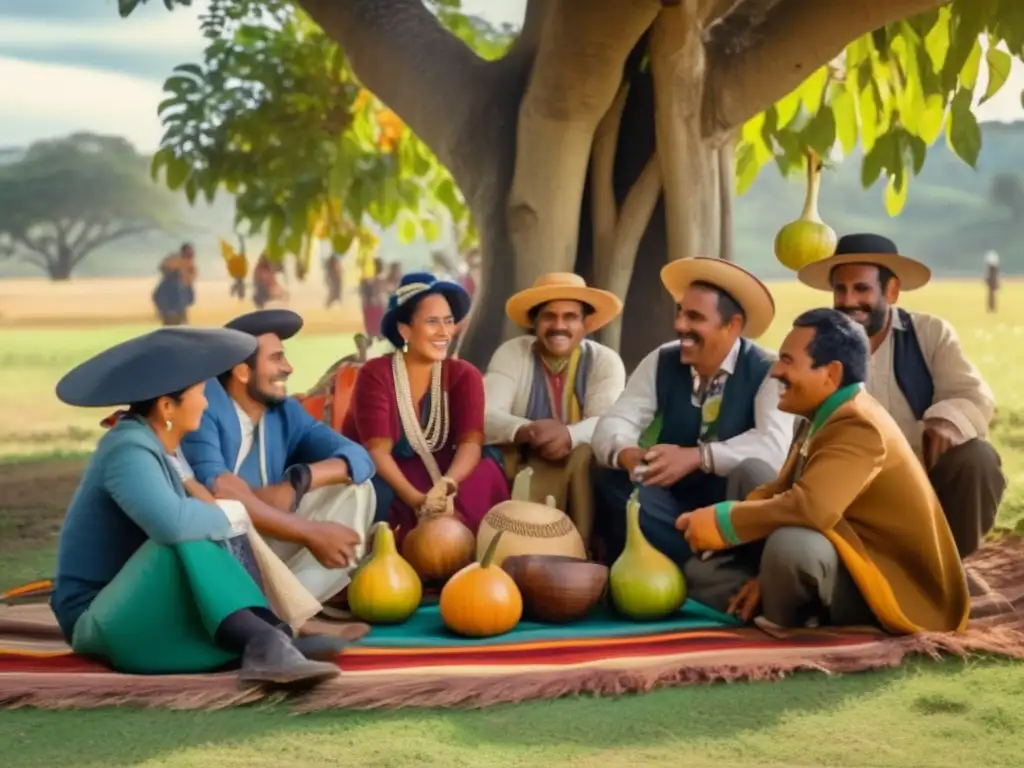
[
  {"x": 866, "y": 248},
  {"x": 154, "y": 364},
  {"x": 283, "y": 323}
]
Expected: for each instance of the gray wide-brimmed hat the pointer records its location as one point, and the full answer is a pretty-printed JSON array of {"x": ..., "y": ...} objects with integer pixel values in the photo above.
[
  {"x": 283, "y": 323},
  {"x": 155, "y": 364}
]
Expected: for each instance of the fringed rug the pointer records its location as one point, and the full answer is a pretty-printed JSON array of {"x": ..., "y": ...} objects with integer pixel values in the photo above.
[{"x": 419, "y": 664}]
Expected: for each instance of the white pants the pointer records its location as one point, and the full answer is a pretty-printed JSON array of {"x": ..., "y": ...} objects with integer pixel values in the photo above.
[{"x": 350, "y": 505}]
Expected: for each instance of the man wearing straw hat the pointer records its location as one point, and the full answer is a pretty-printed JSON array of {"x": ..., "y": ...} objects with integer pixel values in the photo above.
[
  {"x": 546, "y": 389},
  {"x": 699, "y": 421},
  {"x": 920, "y": 374}
]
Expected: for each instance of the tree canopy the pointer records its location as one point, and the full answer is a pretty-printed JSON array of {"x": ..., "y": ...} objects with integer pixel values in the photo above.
[
  {"x": 65, "y": 198},
  {"x": 275, "y": 115}
]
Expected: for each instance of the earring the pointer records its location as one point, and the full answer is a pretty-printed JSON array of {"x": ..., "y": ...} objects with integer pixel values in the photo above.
[{"x": 168, "y": 425}]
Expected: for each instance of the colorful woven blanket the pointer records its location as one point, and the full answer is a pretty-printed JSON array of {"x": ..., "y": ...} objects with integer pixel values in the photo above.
[{"x": 421, "y": 664}]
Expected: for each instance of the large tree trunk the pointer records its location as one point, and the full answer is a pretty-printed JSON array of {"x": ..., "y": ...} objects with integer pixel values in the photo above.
[{"x": 563, "y": 147}]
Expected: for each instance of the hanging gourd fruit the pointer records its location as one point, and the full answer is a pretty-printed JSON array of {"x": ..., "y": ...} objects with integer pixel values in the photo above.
[
  {"x": 481, "y": 600},
  {"x": 644, "y": 584},
  {"x": 808, "y": 239},
  {"x": 384, "y": 589},
  {"x": 439, "y": 546}
]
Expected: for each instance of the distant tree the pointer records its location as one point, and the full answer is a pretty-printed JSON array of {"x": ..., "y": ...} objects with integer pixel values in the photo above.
[
  {"x": 1007, "y": 190},
  {"x": 65, "y": 198}
]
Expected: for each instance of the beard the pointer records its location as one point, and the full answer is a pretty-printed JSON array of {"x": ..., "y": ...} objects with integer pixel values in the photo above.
[
  {"x": 875, "y": 320},
  {"x": 266, "y": 399}
]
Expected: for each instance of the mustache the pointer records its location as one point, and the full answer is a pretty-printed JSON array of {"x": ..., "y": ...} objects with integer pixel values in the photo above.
[
  {"x": 782, "y": 379},
  {"x": 859, "y": 308},
  {"x": 696, "y": 338},
  {"x": 553, "y": 334}
]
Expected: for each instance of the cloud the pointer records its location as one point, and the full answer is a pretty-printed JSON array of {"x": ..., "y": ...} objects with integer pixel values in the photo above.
[{"x": 49, "y": 100}]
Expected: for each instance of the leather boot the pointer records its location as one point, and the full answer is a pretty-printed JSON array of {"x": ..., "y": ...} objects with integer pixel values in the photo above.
[
  {"x": 270, "y": 657},
  {"x": 320, "y": 647}
]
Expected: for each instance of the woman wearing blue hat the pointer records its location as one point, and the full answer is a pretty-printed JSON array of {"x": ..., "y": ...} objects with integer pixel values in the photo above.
[
  {"x": 420, "y": 414},
  {"x": 146, "y": 576}
]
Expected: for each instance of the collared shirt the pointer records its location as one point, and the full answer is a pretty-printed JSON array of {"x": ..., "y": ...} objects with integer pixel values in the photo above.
[
  {"x": 624, "y": 423},
  {"x": 962, "y": 396}
]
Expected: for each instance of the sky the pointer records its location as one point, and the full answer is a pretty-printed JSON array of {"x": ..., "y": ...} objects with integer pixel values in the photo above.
[{"x": 69, "y": 65}]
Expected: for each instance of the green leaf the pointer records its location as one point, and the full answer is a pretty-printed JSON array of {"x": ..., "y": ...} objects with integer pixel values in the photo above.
[
  {"x": 786, "y": 109},
  {"x": 431, "y": 229},
  {"x": 406, "y": 228},
  {"x": 969, "y": 73},
  {"x": 820, "y": 133},
  {"x": 125, "y": 7},
  {"x": 962, "y": 130},
  {"x": 896, "y": 194},
  {"x": 190, "y": 69},
  {"x": 868, "y": 110},
  {"x": 845, "y": 112},
  {"x": 999, "y": 63},
  {"x": 931, "y": 120},
  {"x": 177, "y": 172},
  {"x": 747, "y": 167}
]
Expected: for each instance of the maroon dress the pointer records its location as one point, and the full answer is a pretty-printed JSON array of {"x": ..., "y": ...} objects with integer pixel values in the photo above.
[{"x": 373, "y": 415}]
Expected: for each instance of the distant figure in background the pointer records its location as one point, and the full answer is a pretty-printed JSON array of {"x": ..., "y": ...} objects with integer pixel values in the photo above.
[
  {"x": 265, "y": 287},
  {"x": 237, "y": 265},
  {"x": 373, "y": 311},
  {"x": 388, "y": 284},
  {"x": 443, "y": 267},
  {"x": 333, "y": 278},
  {"x": 175, "y": 292},
  {"x": 991, "y": 279}
]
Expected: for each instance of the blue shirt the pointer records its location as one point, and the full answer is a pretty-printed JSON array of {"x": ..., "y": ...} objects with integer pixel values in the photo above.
[
  {"x": 129, "y": 492},
  {"x": 291, "y": 436}
]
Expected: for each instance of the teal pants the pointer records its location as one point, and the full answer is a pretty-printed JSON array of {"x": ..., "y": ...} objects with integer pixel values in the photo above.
[{"x": 160, "y": 613}]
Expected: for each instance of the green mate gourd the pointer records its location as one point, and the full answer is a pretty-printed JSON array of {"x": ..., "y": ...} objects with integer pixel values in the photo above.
[
  {"x": 643, "y": 583},
  {"x": 385, "y": 589},
  {"x": 808, "y": 239}
]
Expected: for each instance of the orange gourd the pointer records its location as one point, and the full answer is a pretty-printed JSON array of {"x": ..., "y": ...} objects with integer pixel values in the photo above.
[{"x": 481, "y": 600}]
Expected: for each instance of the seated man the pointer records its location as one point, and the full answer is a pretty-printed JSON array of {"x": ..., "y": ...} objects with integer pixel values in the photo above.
[
  {"x": 546, "y": 390},
  {"x": 853, "y": 531},
  {"x": 306, "y": 488},
  {"x": 920, "y": 375},
  {"x": 719, "y": 431}
]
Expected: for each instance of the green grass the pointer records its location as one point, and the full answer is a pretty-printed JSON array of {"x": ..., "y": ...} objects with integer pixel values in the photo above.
[{"x": 922, "y": 714}]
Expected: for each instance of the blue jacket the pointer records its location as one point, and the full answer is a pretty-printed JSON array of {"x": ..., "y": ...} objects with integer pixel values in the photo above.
[
  {"x": 292, "y": 437},
  {"x": 129, "y": 493}
]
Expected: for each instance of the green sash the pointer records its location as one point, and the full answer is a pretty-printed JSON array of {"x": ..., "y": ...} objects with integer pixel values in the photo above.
[{"x": 159, "y": 614}]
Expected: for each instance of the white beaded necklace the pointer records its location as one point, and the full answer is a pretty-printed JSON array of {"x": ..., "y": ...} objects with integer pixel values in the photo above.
[{"x": 424, "y": 441}]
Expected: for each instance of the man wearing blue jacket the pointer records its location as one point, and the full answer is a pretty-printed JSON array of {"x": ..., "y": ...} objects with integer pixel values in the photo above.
[{"x": 307, "y": 489}]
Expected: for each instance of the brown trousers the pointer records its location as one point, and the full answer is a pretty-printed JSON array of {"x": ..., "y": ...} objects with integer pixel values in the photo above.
[
  {"x": 970, "y": 484},
  {"x": 568, "y": 481}
]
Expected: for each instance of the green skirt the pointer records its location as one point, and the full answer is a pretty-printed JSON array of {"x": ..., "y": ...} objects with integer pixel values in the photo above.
[{"x": 160, "y": 613}]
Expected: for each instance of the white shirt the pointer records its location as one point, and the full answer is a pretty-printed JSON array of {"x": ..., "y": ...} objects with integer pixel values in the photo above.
[
  {"x": 509, "y": 381},
  {"x": 248, "y": 427},
  {"x": 624, "y": 423}
]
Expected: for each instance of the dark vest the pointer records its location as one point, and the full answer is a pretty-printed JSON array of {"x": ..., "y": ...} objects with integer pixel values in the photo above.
[
  {"x": 909, "y": 366},
  {"x": 681, "y": 420}
]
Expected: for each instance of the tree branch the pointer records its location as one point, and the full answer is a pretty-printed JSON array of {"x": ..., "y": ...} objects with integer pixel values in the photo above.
[
  {"x": 86, "y": 245},
  {"x": 796, "y": 38},
  {"x": 604, "y": 209},
  {"x": 402, "y": 53}
]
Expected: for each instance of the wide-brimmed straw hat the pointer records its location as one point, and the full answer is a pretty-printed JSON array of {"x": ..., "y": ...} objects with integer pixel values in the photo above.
[
  {"x": 415, "y": 285},
  {"x": 283, "y": 323},
  {"x": 866, "y": 249},
  {"x": 749, "y": 292},
  {"x": 155, "y": 364},
  {"x": 563, "y": 286}
]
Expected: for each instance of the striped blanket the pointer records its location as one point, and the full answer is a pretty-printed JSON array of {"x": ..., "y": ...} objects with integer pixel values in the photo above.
[{"x": 420, "y": 664}]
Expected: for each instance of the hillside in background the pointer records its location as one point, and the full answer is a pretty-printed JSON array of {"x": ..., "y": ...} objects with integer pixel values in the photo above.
[{"x": 949, "y": 220}]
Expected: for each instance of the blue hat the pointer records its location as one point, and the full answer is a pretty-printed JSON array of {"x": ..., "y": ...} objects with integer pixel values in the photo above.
[
  {"x": 413, "y": 287},
  {"x": 155, "y": 364}
]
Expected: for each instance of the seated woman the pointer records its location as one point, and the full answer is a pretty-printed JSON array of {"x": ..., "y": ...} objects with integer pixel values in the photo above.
[
  {"x": 421, "y": 416},
  {"x": 148, "y": 578}
]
